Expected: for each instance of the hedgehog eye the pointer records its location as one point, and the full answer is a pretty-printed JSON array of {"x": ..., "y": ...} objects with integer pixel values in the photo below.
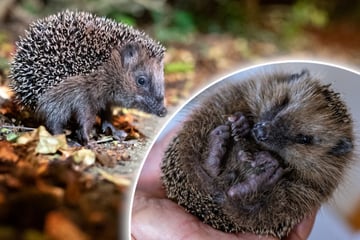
[
  {"x": 141, "y": 80},
  {"x": 303, "y": 139}
]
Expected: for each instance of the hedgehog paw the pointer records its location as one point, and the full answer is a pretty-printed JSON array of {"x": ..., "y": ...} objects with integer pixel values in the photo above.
[
  {"x": 265, "y": 174},
  {"x": 82, "y": 136},
  {"x": 218, "y": 139},
  {"x": 239, "y": 124},
  {"x": 109, "y": 129}
]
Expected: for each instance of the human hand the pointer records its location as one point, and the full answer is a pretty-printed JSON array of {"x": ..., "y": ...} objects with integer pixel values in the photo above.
[{"x": 154, "y": 216}]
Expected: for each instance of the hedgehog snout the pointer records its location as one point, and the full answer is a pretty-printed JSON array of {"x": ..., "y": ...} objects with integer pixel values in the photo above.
[
  {"x": 261, "y": 131},
  {"x": 162, "y": 112},
  {"x": 156, "y": 106}
]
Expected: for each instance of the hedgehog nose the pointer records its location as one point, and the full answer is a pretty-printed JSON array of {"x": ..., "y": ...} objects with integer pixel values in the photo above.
[
  {"x": 162, "y": 112},
  {"x": 261, "y": 131}
]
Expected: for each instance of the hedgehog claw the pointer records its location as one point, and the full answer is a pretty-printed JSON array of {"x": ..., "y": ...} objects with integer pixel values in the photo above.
[
  {"x": 109, "y": 129},
  {"x": 107, "y": 126},
  {"x": 240, "y": 126}
]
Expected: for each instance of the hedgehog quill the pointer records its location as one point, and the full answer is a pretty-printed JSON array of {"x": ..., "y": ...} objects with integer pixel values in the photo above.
[
  {"x": 258, "y": 156},
  {"x": 72, "y": 66}
]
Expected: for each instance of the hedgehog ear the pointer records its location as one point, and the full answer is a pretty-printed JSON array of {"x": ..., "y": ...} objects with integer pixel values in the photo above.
[
  {"x": 129, "y": 54},
  {"x": 300, "y": 76}
]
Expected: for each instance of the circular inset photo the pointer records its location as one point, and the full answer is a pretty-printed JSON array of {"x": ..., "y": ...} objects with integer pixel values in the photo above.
[{"x": 261, "y": 152}]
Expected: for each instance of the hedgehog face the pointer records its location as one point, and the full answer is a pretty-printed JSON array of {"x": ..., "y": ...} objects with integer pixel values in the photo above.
[
  {"x": 144, "y": 80},
  {"x": 149, "y": 94},
  {"x": 304, "y": 126},
  {"x": 150, "y": 89}
]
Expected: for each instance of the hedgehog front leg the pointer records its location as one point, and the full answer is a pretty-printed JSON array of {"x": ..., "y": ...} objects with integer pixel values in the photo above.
[
  {"x": 54, "y": 126},
  {"x": 52, "y": 114},
  {"x": 86, "y": 119},
  {"x": 106, "y": 118}
]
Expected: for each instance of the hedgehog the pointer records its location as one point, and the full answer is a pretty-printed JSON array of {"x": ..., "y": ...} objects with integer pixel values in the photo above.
[
  {"x": 71, "y": 66},
  {"x": 260, "y": 155}
]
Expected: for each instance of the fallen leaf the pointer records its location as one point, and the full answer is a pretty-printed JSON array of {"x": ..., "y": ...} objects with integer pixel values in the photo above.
[
  {"x": 7, "y": 152},
  {"x": 60, "y": 227},
  {"x": 5, "y": 92},
  {"x": 105, "y": 159},
  {"x": 49, "y": 144},
  {"x": 118, "y": 180},
  {"x": 11, "y": 137},
  {"x": 28, "y": 136},
  {"x": 13, "y": 182},
  {"x": 46, "y": 143},
  {"x": 132, "y": 133},
  {"x": 53, "y": 190},
  {"x": 84, "y": 156}
]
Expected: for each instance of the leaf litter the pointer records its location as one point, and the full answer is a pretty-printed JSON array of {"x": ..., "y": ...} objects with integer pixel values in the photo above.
[{"x": 45, "y": 186}]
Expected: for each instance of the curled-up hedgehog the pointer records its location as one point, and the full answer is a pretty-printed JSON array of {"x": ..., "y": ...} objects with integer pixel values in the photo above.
[
  {"x": 259, "y": 155},
  {"x": 72, "y": 66}
]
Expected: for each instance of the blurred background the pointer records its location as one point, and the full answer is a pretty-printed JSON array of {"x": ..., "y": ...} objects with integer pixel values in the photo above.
[
  {"x": 206, "y": 39},
  {"x": 214, "y": 36}
]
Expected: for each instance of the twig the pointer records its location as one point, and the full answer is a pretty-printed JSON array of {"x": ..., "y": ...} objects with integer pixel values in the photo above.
[
  {"x": 18, "y": 127},
  {"x": 105, "y": 139}
]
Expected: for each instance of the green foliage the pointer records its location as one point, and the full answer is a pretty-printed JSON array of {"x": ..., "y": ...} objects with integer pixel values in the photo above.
[
  {"x": 176, "y": 25},
  {"x": 32, "y": 6},
  {"x": 4, "y": 63},
  {"x": 214, "y": 15},
  {"x": 303, "y": 13},
  {"x": 124, "y": 18},
  {"x": 180, "y": 66},
  {"x": 5, "y": 49}
]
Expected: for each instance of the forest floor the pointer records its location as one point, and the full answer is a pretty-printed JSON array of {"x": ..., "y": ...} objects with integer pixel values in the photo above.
[{"x": 40, "y": 190}]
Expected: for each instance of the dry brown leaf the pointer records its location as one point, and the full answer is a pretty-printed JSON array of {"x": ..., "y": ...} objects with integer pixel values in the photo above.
[
  {"x": 5, "y": 92},
  {"x": 42, "y": 168},
  {"x": 7, "y": 152},
  {"x": 117, "y": 180},
  {"x": 56, "y": 191},
  {"x": 49, "y": 144},
  {"x": 105, "y": 159},
  {"x": 27, "y": 137},
  {"x": 132, "y": 133},
  {"x": 46, "y": 143},
  {"x": 59, "y": 227},
  {"x": 2, "y": 198},
  {"x": 84, "y": 156},
  {"x": 13, "y": 182}
]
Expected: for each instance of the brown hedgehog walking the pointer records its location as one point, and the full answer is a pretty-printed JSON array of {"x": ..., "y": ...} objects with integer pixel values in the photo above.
[
  {"x": 74, "y": 65},
  {"x": 259, "y": 155}
]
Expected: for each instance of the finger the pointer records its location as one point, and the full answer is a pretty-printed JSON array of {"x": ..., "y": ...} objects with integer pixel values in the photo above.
[
  {"x": 149, "y": 178},
  {"x": 303, "y": 229},
  {"x": 154, "y": 218}
]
